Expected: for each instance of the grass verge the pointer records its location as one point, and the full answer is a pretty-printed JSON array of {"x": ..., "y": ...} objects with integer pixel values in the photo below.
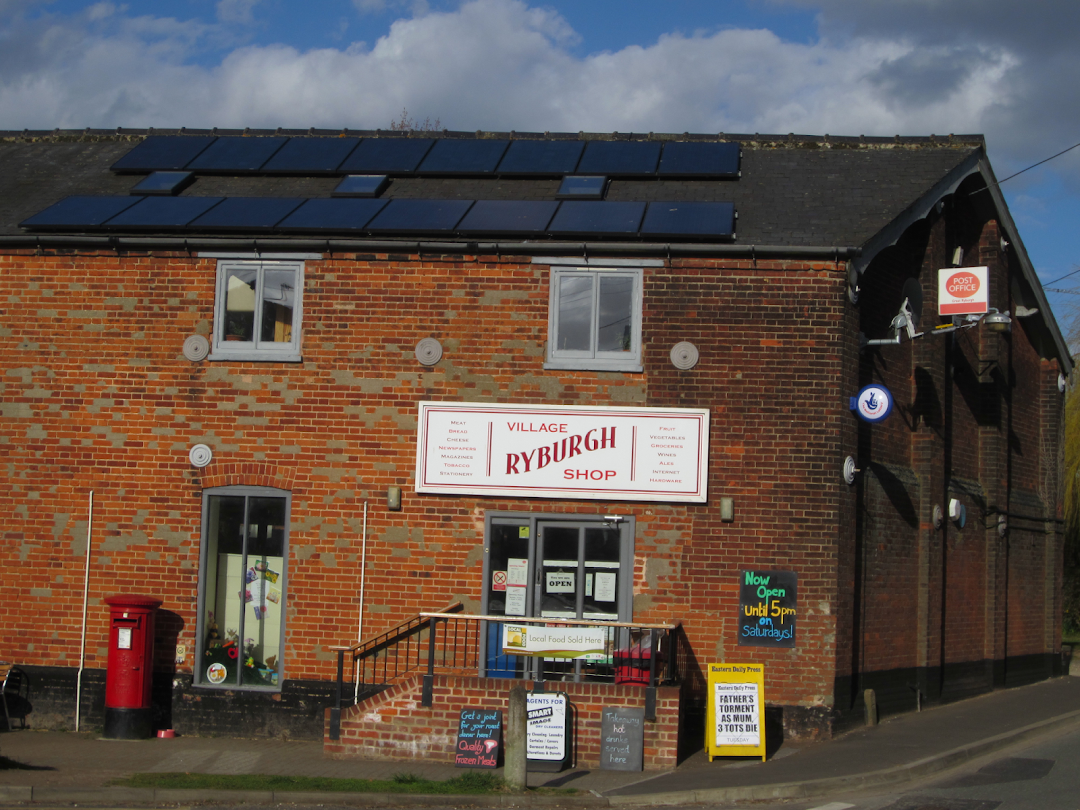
[{"x": 468, "y": 783}]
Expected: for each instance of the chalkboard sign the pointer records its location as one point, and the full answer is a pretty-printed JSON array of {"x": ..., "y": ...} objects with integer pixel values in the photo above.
[
  {"x": 478, "y": 739},
  {"x": 622, "y": 739},
  {"x": 767, "y": 608}
]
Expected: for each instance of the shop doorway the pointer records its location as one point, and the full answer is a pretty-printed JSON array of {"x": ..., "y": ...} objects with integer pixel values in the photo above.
[{"x": 558, "y": 567}]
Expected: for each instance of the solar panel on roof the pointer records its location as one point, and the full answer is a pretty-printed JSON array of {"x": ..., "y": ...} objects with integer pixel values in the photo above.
[
  {"x": 163, "y": 183},
  {"x": 387, "y": 156},
  {"x": 236, "y": 153},
  {"x": 335, "y": 214},
  {"x": 162, "y": 212},
  {"x": 416, "y": 216},
  {"x": 79, "y": 212},
  {"x": 582, "y": 187},
  {"x": 247, "y": 213},
  {"x": 508, "y": 216},
  {"x": 715, "y": 219},
  {"x": 361, "y": 185},
  {"x": 620, "y": 157},
  {"x": 541, "y": 157},
  {"x": 466, "y": 156},
  {"x": 585, "y": 217},
  {"x": 163, "y": 152},
  {"x": 689, "y": 159},
  {"x": 310, "y": 156}
]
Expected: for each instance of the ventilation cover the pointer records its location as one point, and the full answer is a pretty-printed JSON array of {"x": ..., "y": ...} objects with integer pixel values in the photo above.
[
  {"x": 196, "y": 348},
  {"x": 429, "y": 351},
  {"x": 200, "y": 455},
  {"x": 684, "y": 355}
]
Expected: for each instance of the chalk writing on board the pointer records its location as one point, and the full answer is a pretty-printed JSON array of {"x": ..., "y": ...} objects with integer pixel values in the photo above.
[
  {"x": 622, "y": 733},
  {"x": 479, "y": 737},
  {"x": 767, "y": 608}
]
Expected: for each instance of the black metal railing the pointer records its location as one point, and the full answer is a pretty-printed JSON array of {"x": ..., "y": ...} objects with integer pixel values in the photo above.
[{"x": 448, "y": 642}]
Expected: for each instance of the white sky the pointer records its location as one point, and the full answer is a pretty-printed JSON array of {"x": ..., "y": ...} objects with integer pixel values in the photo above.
[{"x": 1006, "y": 69}]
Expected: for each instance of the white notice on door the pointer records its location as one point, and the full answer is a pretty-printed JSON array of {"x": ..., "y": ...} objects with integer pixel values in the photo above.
[
  {"x": 517, "y": 572},
  {"x": 605, "y": 586},
  {"x": 560, "y": 582}
]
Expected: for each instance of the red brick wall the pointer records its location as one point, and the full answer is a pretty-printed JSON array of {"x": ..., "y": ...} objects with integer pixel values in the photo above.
[
  {"x": 96, "y": 395},
  {"x": 395, "y": 726}
]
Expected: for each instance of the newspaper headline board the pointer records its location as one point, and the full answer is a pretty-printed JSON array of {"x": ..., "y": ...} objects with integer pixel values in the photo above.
[{"x": 735, "y": 717}]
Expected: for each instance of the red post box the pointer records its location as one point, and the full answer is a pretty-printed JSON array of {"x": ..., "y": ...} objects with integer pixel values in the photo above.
[{"x": 131, "y": 666}]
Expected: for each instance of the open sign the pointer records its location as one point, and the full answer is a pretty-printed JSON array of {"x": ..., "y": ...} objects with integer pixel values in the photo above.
[{"x": 963, "y": 291}]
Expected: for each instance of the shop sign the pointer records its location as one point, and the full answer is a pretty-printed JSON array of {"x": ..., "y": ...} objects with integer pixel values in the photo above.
[
  {"x": 554, "y": 642},
  {"x": 545, "y": 730},
  {"x": 873, "y": 403},
  {"x": 767, "y": 608},
  {"x": 963, "y": 290},
  {"x": 533, "y": 451},
  {"x": 478, "y": 738}
]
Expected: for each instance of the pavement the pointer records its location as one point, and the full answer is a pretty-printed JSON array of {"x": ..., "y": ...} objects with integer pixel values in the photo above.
[{"x": 64, "y": 768}]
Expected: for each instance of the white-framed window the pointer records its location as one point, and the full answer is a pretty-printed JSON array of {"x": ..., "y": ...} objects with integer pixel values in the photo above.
[
  {"x": 257, "y": 310},
  {"x": 243, "y": 588},
  {"x": 594, "y": 319}
]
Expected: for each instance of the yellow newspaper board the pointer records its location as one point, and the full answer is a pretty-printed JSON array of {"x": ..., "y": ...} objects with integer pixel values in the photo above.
[{"x": 735, "y": 724}]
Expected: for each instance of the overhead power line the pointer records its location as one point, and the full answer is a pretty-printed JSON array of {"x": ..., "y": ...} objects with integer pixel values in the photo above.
[{"x": 1029, "y": 168}]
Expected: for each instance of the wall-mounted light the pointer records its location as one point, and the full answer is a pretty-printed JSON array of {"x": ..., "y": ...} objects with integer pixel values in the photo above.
[
  {"x": 850, "y": 470},
  {"x": 727, "y": 510},
  {"x": 1003, "y": 525},
  {"x": 939, "y": 516},
  {"x": 393, "y": 499},
  {"x": 957, "y": 512},
  {"x": 998, "y": 321}
]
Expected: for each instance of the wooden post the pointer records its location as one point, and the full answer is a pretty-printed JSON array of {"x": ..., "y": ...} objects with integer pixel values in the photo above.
[{"x": 516, "y": 729}]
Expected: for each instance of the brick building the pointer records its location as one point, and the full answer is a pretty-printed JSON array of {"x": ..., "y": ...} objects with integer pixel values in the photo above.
[{"x": 255, "y": 350}]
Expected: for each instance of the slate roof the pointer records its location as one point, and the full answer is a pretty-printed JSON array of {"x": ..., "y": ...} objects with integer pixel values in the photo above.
[{"x": 793, "y": 192}]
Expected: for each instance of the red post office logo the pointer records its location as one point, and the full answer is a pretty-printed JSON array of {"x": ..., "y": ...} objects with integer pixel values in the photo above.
[{"x": 962, "y": 285}]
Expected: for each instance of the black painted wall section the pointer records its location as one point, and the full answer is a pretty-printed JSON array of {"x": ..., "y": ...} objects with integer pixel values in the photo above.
[
  {"x": 895, "y": 690},
  {"x": 296, "y": 712}
]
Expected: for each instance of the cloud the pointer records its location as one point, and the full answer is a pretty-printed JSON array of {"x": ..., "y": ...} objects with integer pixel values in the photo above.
[
  {"x": 908, "y": 66},
  {"x": 236, "y": 11}
]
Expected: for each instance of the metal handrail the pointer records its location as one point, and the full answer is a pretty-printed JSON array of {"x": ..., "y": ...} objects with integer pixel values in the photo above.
[{"x": 458, "y": 650}]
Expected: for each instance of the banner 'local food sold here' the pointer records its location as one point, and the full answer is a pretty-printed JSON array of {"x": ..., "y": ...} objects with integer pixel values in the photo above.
[{"x": 643, "y": 454}]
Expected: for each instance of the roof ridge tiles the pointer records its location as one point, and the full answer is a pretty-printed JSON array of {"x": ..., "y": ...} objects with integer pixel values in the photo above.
[{"x": 789, "y": 140}]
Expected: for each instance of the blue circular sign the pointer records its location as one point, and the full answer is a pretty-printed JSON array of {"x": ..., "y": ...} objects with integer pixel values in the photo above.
[{"x": 873, "y": 403}]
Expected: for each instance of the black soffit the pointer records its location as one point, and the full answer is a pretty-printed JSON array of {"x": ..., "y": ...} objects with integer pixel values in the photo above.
[
  {"x": 351, "y": 215},
  {"x": 314, "y": 155}
]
